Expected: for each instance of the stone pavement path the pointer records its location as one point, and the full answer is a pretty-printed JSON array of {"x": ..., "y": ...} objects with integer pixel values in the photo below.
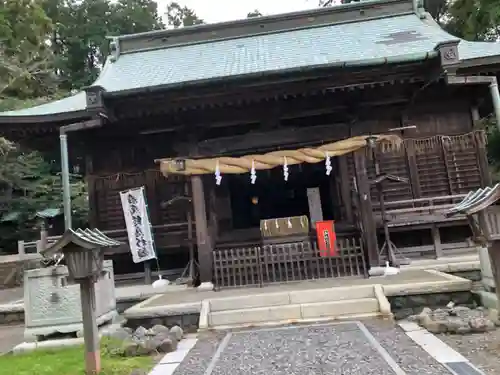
[
  {"x": 10, "y": 336},
  {"x": 348, "y": 348}
]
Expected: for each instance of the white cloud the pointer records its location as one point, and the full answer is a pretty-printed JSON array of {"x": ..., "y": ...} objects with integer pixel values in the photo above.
[{"x": 227, "y": 10}]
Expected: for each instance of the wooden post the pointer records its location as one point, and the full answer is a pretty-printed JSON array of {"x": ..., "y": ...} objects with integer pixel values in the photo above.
[
  {"x": 91, "y": 192},
  {"x": 90, "y": 332},
  {"x": 482, "y": 158},
  {"x": 315, "y": 210},
  {"x": 148, "y": 277},
  {"x": 411, "y": 159},
  {"x": 436, "y": 238},
  {"x": 43, "y": 236},
  {"x": 202, "y": 237},
  {"x": 369, "y": 230},
  {"x": 20, "y": 249},
  {"x": 345, "y": 188}
]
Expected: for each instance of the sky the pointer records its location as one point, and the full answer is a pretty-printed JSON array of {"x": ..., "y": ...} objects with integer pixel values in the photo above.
[{"x": 226, "y": 10}]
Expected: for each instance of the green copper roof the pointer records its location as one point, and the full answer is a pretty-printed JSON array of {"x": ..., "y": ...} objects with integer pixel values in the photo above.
[
  {"x": 68, "y": 106},
  {"x": 391, "y": 38}
]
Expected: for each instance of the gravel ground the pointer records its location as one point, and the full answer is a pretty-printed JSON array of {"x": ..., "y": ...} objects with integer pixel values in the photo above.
[
  {"x": 408, "y": 355},
  {"x": 334, "y": 349},
  {"x": 198, "y": 358},
  {"x": 481, "y": 349}
]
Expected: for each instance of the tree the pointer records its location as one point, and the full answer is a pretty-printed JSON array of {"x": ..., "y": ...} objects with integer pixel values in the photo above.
[
  {"x": 179, "y": 16},
  {"x": 28, "y": 184},
  {"x": 79, "y": 39},
  {"x": 254, "y": 13},
  {"x": 25, "y": 57},
  {"x": 474, "y": 19}
]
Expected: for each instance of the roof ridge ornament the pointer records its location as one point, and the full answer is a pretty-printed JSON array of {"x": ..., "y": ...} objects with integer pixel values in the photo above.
[{"x": 448, "y": 52}]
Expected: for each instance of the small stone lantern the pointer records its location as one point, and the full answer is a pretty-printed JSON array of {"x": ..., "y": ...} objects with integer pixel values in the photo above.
[
  {"x": 83, "y": 252},
  {"x": 474, "y": 206}
]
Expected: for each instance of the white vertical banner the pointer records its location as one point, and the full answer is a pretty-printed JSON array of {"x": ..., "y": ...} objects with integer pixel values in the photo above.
[{"x": 140, "y": 236}]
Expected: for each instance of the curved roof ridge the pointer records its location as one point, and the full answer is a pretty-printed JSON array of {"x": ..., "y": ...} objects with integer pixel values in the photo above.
[{"x": 468, "y": 50}]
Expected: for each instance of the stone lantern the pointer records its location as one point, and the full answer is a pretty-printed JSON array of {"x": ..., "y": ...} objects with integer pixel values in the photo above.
[
  {"x": 474, "y": 207},
  {"x": 83, "y": 252}
]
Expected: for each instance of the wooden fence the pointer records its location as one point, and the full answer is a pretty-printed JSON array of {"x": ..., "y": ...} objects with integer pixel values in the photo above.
[{"x": 288, "y": 262}]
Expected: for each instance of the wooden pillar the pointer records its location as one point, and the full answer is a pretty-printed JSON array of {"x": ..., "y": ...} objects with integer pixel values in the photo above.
[
  {"x": 482, "y": 158},
  {"x": 367, "y": 218},
  {"x": 411, "y": 159},
  {"x": 345, "y": 189},
  {"x": 91, "y": 192},
  {"x": 474, "y": 111},
  {"x": 213, "y": 221},
  {"x": 436, "y": 239},
  {"x": 202, "y": 236}
]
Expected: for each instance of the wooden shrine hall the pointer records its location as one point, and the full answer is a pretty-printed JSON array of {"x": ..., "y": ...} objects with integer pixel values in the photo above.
[{"x": 211, "y": 119}]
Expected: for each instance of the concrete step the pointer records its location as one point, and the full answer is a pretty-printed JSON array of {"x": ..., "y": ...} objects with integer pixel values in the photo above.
[
  {"x": 294, "y": 312},
  {"x": 292, "y": 298}
]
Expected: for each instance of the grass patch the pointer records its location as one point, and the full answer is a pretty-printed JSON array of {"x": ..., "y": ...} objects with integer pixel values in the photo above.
[{"x": 70, "y": 361}]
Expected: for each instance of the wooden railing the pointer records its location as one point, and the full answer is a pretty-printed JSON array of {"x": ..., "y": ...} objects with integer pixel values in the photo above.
[
  {"x": 429, "y": 214},
  {"x": 165, "y": 235},
  {"x": 418, "y": 211},
  {"x": 287, "y": 262}
]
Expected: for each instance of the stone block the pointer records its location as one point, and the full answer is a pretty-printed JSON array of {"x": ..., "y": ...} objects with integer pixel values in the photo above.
[
  {"x": 204, "y": 314},
  {"x": 249, "y": 301},
  {"x": 383, "y": 302},
  {"x": 326, "y": 295},
  {"x": 52, "y": 305},
  {"x": 339, "y": 308},
  {"x": 257, "y": 315}
]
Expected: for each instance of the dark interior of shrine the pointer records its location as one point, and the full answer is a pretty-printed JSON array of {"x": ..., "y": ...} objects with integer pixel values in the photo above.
[{"x": 273, "y": 197}]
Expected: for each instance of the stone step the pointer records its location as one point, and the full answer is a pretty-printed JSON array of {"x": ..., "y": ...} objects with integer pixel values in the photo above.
[
  {"x": 291, "y": 297},
  {"x": 294, "y": 312}
]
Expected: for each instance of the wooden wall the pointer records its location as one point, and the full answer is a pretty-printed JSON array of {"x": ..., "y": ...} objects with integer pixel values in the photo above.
[{"x": 440, "y": 157}]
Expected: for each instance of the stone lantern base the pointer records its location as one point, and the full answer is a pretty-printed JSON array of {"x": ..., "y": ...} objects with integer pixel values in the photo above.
[{"x": 52, "y": 305}]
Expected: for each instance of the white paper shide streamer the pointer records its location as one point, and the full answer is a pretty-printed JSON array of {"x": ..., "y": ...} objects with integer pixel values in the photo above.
[
  {"x": 328, "y": 164},
  {"x": 138, "y": 225},
  {"x": 285, "y": 169},
  {"x": 253, "y": 174},
  {"x": 218, "y": 176}
]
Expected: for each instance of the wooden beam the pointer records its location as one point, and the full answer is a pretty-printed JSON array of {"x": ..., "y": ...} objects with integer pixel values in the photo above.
[
  {"x": 240, "y": 143},
  {"x": 205, "y": 248},
  {"x": 241, "y": 92}
]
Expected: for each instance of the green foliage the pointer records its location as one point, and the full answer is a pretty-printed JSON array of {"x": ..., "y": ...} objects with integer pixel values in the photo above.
[
  {"x": 80, "y": 30},
  {"x": 474, "y": 19},
  {"x": 29, "y": 184},
  {"x": 254, "y": 13},
  {"x": 179, "y": 16},
  {"x": 25, "y": 57}
]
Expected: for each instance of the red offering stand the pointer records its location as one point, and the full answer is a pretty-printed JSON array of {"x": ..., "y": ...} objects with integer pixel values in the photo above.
[{"x": 325, "y": 232}]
